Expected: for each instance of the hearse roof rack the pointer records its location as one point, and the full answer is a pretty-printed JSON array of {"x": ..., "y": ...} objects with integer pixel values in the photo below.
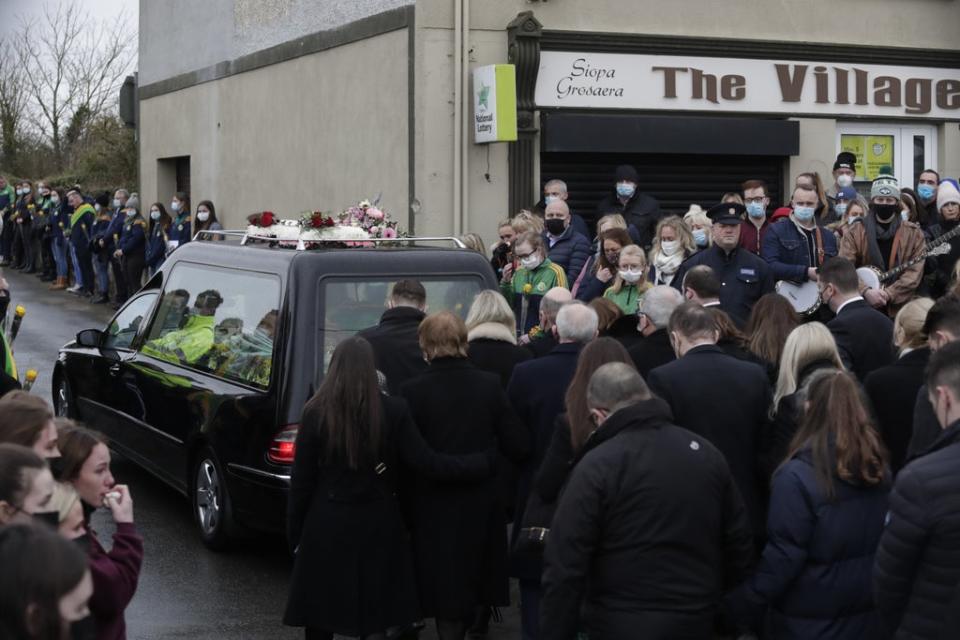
[{"x": 301, "y": 245}]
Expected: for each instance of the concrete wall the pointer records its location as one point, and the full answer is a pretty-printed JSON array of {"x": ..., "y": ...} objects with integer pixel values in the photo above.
[
  {"x": 319, "y": 131},
  {"x": 922, "y": 23},
  {"x": 178, "y": 36}
]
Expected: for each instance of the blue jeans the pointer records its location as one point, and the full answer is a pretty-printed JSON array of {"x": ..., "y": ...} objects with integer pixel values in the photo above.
[
  {"x": 77, "y": 271},
  {"x": 59, "y": 248},
  {"x": 102, "y": 269}
]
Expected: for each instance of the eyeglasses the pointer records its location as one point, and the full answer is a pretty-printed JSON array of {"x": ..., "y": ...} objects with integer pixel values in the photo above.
[
  {"x": 754, "y": 200},
  {"x": 523, "y": 256}
]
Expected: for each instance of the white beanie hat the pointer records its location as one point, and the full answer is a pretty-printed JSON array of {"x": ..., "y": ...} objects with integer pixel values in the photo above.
[{"x": 947, "y": 193}]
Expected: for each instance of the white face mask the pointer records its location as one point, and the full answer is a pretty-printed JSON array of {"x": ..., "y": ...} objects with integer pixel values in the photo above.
[
  {"x": 131, "y": 213},
  {"x": 55, "y": 199},
  {"x": 631, "y": 276},
  {"x": 843, "y": 180},
  {"x": 96, "y": 208},
  {"x": 154, "y": 214},
  {"x": 203, "y": 216},
  {"x": 669, "y": 247},
  {"x": 175, "y": 206},
  {"x": 531, "y": 262},
  {"x": 905, "y": 215},
  {"x": 116, "y": 203}
]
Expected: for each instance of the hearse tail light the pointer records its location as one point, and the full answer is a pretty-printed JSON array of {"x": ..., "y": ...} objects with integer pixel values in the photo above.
[{"x": 283, "y": 447}]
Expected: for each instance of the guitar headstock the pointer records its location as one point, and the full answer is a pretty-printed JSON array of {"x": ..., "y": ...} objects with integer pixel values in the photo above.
[{"x": 940, "y": 250}]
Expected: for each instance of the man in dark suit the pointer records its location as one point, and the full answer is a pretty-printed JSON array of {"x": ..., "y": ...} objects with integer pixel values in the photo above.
[
  {"x": 537, "y": 390},
  {"x": 394, "y": 339},
  {"x": 719, "y": 397},
  {"x": 864, "y": 335},
  {"x": 549, "y": 308},
  {"x": 653, "y": 316}
]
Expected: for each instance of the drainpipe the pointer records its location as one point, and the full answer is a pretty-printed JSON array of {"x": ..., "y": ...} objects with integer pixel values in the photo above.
[
  {"x": 467, "y": 126},
  {"x": 457, "y": 115}
]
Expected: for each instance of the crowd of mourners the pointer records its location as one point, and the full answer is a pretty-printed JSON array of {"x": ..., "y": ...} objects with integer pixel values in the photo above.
[
  {"x": 643, "y": 429},
  {"x": 92, "y": 245}
]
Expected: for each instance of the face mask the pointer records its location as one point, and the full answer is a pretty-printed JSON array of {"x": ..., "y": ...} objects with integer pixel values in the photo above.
[
  {"x": 905, "y": 216},
  {"x": 926, "y": 191},
  {"x": 175, "y": 206},
  {"x": 631, "y": 275},
  {"x": 625, "y": 189},
  {"x": 116, "y": 203},
  {"x": 550, "y": 199},
  {"x": 884, "y": 211},
  {"x": 20, "y": 192},
  {"x": 131, "y": 213},
  {"x": 56, "y": 466},
  {"x": 203, "y": 216},
  {"x": 840, "y": 208},
  {"x": 555, "y": 226},
  {"x": 154, "y": 215},
  {"x": 756, "y": 209},
  {"x": 803, "y": 214},
  {"x": 669, "y": 247},
  {"x": 843, "y": 180},
  {"x": 613, "y": 258},
  {"x": 96, "y": 208},
  {"x": 55, "y": 199},
  {"x": 700, "y": 237},
  {"x": 853, "y": 219},
  {"x": 531, "y": 262},
  {"x": 51, "y": 518}
]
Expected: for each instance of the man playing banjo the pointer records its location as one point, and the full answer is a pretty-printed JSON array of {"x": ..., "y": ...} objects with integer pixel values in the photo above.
[
  {"x": 796, "y": 248},
  {"x": 882, "y": 240}
]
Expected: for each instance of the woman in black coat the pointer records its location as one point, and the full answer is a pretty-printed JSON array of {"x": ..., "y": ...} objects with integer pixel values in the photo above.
[
  {"x": 459, "y": 532},
  {"x": 353, "y": 572},
  {"x": 893, "y": 389},
  {"x": 827, "y": 509},
  {"x": 809, "y": 348},
  {"x": 492, "y": 336}
]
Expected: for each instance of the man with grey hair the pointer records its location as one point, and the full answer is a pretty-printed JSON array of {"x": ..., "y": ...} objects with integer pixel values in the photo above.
[
  {"x": 555, "y": 190},
  {"x": 536, "y": 390},
  {"x": 650, "y": 529},
  {"x": 567, "y": 248},
  {"x": 550, "y": 306},
  {"x": 653, "y": 316}
]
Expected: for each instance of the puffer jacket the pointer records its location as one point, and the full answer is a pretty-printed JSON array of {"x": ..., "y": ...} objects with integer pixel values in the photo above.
[
  {"x": 918, "y": 562},
  {"x": 815, "y": 573},
  {"x": 569, "y": 252}
]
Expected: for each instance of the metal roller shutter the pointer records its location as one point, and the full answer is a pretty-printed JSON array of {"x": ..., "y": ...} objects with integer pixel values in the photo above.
[{"x": 677, "y": 181}]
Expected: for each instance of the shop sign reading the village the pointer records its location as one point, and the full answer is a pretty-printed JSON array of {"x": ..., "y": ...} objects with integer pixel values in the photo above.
[{"x": 622, "y": 81}]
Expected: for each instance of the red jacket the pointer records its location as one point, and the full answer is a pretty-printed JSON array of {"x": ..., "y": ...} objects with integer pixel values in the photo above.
[
  {"x": 115, "y": 576},
  {"x": 751, "y": 238}
]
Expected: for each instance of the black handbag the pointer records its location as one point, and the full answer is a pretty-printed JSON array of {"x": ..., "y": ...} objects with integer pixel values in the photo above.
[{"x": 535, "y": 525}]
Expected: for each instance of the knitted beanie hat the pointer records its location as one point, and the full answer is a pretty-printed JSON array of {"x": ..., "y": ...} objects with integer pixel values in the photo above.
[
  {"x": 885, "y": 185},
  {"x": 947, "y": 193}
]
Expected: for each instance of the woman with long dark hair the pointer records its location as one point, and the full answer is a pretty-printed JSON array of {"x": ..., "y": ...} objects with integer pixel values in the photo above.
[
  {"x": 353, "y": 573},
  {"x": 827, "y": 510},
  {"x": 771, "y": 321}
]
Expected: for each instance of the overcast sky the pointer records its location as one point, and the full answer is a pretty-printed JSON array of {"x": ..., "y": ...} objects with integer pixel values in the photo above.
[{"x": 97, "y": 9}]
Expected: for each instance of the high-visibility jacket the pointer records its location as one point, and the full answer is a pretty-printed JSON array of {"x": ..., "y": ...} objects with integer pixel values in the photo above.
[{"x": 186, "y": 345}]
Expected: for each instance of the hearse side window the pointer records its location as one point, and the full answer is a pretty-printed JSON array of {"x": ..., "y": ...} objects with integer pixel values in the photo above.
[
  {"x": 126, "y": 325},
  {"x": 219, "y": 321},
  {"x": 349, "y": 306}
]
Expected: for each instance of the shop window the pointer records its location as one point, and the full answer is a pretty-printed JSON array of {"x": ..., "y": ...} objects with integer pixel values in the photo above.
[{"x": 903, "y": 151}]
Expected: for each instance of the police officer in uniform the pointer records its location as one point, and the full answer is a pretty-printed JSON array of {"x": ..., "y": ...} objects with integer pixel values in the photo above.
[{"x": 744, "y": 277}]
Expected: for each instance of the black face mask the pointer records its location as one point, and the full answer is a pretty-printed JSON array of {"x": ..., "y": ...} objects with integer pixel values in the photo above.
[
  {"x": 84, "y": 629},
  {"x": 51, "y": 518},
  {"x": 884, "y": 211},
  {"x": 56, "y": 467},
  {"x": 83, "y": 542},
  {"x": 555, "y": 226}
]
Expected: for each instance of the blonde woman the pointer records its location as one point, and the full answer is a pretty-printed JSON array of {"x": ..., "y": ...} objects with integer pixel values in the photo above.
[
  {"x": 809, "y": 348},
  {"x": 893, "y": 389},
  {"x": 491, "y": 336},
  {"x": 475, "y": 243},
  {"x": 672, "y": 244},
  {"x": 699, "y": 225},
  {"x": 526, "y": 221},
  {"x": 631, "y": 281}
]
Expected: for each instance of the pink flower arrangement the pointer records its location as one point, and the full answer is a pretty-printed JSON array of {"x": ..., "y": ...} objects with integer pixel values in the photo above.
[{"x": 371, "y": 219}]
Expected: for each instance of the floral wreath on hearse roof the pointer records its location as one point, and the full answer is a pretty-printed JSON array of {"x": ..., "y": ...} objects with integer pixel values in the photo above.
[{"x": 352, "y": 227}]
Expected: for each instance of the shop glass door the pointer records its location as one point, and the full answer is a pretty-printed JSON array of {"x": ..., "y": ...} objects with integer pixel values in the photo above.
[{"x": 904, "y": 151}]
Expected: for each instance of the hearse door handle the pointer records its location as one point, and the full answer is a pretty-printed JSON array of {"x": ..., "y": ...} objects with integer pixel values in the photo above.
[{"x": 115, "y": 369}]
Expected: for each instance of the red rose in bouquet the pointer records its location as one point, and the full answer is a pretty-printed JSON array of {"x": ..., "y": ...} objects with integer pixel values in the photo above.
[{"x": 266, "y": 219}]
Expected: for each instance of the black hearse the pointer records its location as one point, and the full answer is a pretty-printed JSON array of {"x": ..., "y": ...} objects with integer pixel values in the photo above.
[{"x": 218, "y": 422}]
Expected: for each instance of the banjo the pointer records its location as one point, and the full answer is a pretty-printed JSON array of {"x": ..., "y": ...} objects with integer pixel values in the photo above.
[{"x": 805, "y": 296}]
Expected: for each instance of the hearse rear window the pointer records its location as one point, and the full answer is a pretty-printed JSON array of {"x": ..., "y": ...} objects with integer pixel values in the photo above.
[{"x": 350, "y": 306}]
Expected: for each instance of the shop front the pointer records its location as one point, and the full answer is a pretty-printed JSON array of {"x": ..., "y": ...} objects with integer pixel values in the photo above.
[{"x": 697, "y": 116}]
